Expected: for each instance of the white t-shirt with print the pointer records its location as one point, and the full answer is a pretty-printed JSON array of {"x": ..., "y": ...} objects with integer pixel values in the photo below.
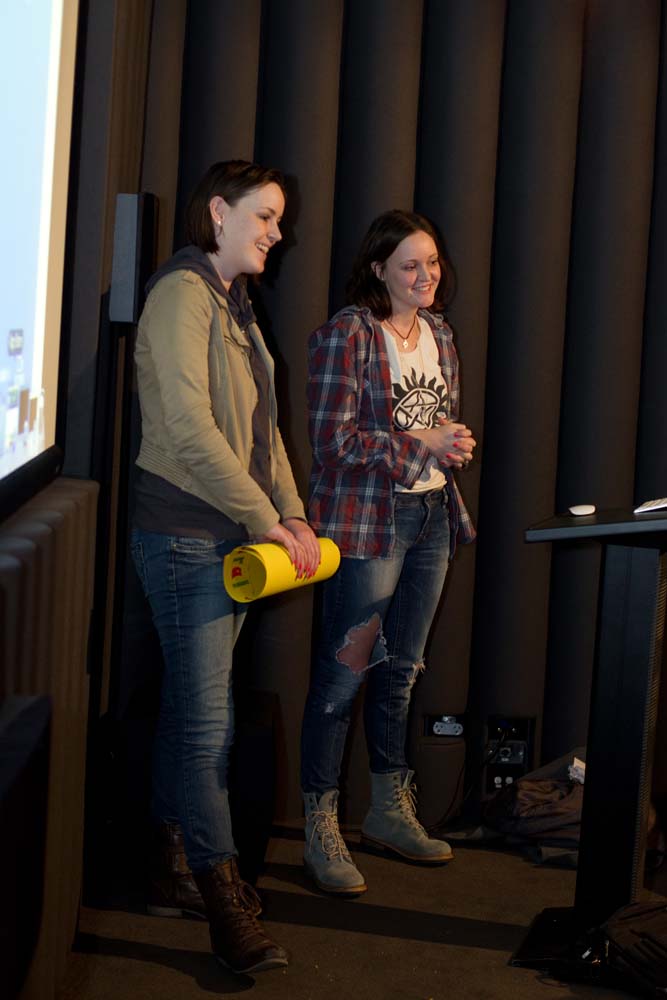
[{"x": 419, "y": 394}]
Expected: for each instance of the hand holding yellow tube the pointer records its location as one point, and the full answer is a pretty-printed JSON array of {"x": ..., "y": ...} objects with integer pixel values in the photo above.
[{"x": 252, "y": 571}]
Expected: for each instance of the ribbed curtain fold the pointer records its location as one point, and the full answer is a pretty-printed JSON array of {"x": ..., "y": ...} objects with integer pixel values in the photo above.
[
  {"x": 533, "y": 208},
  {"x": 456, "y": 176},
  {"x": 378, "y": 122},
  {"x": 297, "y": 130},
  {"x": 457, "y": 147},
  {"x": 220, "y": 89}
]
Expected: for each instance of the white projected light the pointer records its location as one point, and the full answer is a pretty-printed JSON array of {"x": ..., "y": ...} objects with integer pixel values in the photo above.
[{"x": 37, "y": 46}]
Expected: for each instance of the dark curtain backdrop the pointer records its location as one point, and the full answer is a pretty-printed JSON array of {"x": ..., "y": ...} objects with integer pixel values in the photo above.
[{"x": 532, "y": 132}]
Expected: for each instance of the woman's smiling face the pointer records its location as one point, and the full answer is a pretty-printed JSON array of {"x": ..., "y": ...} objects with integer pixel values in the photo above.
[
  {"x": 411, "y": 274},
  {"x": 250, "y": 227}
]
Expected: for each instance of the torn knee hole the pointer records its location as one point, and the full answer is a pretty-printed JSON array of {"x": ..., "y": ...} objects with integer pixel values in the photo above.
[
  {"x": 359, "y": 642},
  {"x": 417, "y": 668}
]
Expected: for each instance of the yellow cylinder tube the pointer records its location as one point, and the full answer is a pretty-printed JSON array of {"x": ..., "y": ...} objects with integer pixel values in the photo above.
[{"x": 252, "y": 571}]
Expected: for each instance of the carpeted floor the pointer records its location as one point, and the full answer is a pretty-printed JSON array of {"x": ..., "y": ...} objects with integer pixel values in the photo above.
[{"x": 417, "y": 934}]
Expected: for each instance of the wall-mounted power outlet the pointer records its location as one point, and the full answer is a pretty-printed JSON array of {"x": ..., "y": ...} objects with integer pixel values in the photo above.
[{"x": 443, "y": 725}]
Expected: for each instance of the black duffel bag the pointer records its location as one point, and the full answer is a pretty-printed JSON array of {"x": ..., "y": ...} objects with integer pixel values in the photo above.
[{"x": 634, "y": 949}]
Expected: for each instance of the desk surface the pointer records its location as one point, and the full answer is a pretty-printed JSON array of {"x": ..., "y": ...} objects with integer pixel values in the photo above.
[{"x": 602, "y": 524}]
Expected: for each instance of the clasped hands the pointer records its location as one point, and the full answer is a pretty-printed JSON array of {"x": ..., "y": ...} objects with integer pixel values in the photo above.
[{"x": 451, "y": 443}]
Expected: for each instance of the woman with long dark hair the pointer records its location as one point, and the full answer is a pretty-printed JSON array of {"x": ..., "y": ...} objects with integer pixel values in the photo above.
[{"x": 383, "y": 398}]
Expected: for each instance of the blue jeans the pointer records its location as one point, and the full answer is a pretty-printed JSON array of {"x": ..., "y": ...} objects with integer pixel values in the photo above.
[
  {"x": 376, "y": 616},
  {"x": 198, "y": 624}
]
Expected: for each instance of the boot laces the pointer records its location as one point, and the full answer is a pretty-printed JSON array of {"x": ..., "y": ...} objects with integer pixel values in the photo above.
[
  {"x": 248, "y": 898},
  {"x": 406, "y": 796},
  {"x": 247, "y": 923},
  {"x": 244, "y": 898},
  {"x": 325, "y": 824},
  {"x": 250, "y": 927}
]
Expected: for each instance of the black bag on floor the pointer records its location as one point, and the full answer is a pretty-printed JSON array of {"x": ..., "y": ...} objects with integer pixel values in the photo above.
[
  {"x": 541, "y": 807},
  {"x": 635, "y": 949}
]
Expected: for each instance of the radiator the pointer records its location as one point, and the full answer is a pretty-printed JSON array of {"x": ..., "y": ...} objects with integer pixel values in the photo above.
[{"x": 47, "y": 552}]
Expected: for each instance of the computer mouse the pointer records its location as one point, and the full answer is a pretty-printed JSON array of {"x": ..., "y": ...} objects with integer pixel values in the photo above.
[{"x": 582, "y": 508}]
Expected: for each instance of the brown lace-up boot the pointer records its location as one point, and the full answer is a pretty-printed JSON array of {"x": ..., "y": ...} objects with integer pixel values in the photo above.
[
  {"x": 237, "y": 938},
  {"x": 172, "y": 891}
]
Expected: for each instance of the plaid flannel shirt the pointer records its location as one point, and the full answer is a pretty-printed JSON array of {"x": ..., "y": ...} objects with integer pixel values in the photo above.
[{"x": 357, "y": 454}]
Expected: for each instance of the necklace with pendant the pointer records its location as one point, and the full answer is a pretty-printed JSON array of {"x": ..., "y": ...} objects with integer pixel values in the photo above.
[{"x": 404, "y": 338}]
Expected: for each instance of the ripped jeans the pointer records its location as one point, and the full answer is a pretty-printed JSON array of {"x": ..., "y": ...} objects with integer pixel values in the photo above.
[{"x": 376, "y": 616}]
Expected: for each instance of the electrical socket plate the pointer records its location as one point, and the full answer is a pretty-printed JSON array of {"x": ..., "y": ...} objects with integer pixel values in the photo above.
[{"x": 443, "y": 725}]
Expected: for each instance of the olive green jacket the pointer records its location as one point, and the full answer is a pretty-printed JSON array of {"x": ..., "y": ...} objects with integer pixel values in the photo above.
[{"x": 197, "y": 395}]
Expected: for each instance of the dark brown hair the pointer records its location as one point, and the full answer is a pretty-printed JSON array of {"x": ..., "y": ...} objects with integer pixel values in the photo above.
[
  {"x": 383, "y": 236},
  {"x": 231, "y": 180}
]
